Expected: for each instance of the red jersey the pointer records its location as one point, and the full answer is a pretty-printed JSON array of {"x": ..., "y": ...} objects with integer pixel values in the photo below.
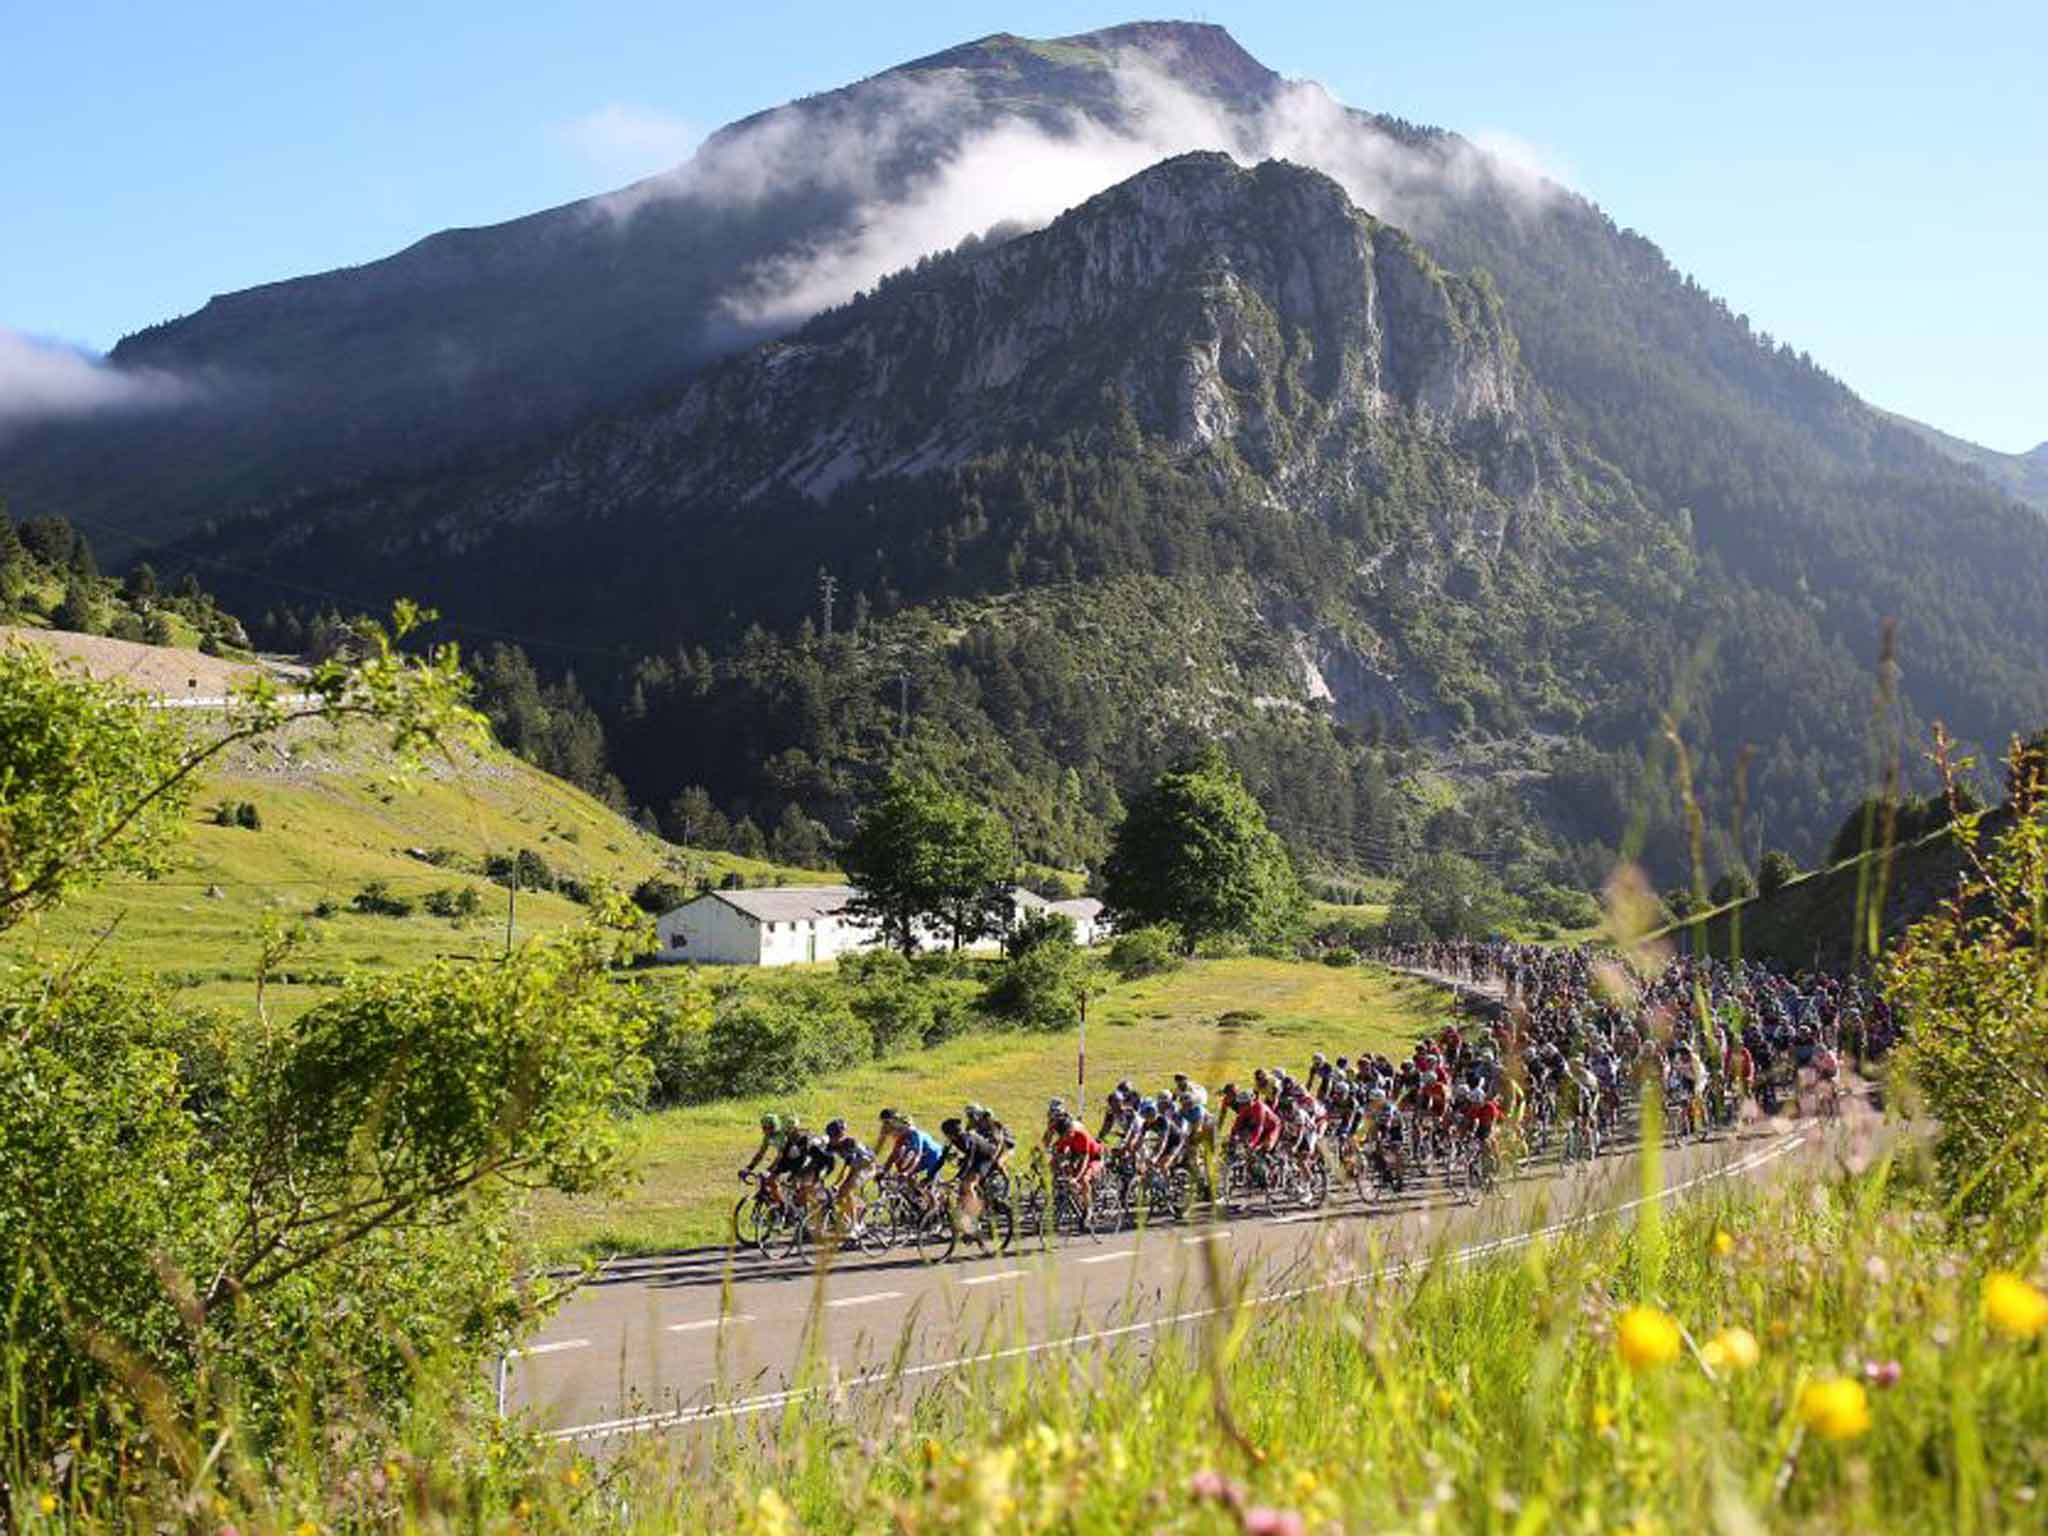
[
  {"x": 1258, "y": 1124},
  {"x": 1078, "y": 1144}
]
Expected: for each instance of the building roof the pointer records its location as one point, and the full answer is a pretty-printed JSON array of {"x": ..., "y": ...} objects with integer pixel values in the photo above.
[
  {"x": 788, "y": 903},
  {"x": 1081, "y": 908},
  {"x": 1027, "y": 901}
]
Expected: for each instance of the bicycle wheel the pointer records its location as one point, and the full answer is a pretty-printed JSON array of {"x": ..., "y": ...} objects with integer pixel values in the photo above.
[
  {"x": 874, "y": 1227},
  {"x": 936, "y": 1236},
  {"x": 1471, "y": 1182},
  {"x": 746, "y": 1222},
  {"x": 1000, "y": 1219},
  {"x": 1315, "y": 1189}
]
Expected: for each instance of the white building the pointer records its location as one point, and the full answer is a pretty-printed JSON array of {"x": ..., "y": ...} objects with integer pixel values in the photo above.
[
  {"x": 780, "y": 925},
  {"x": 805, "y": 924},
  {"x": 1090, "y": 926}
]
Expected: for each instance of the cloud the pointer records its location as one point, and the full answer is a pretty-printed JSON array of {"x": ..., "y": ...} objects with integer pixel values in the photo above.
[
  {"x": 44, "y": 379},
  {"x": 621, "y": 142},
  {"x": 913, "y": 180}
]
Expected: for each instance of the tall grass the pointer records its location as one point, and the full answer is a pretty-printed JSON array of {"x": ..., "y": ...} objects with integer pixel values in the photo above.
[{"x": 1491, "y": 1395}]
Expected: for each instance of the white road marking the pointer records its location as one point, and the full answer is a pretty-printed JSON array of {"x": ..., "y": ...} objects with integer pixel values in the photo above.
[
  {"x": 1206, "y": 1237},
  {"x": 747, "y": 1407},
  {"x": 548, "y": 1349},
  {"x": 1108, "y": 1258},
  {"x": 1001, "y": 1274},
  {"x": 861, "y": 1301},
  {"x": 710, "y": 1322}
]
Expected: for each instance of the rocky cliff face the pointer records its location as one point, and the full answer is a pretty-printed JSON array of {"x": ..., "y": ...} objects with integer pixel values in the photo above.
[{"x": 1252, "y": 319}]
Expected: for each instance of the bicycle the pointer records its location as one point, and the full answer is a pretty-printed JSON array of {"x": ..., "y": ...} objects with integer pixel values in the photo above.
[
  {"x": 993, "y": 1225},
  {"x": 869, "y": 1225},
  {"x": 1581, "y": 1140},
  {"x": 1474, "y": 1174},
  {"x": 759, "y": 1217}
]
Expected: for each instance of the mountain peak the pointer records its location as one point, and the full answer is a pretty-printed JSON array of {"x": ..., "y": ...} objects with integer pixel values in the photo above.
[{"x": 1200, "y": 55}]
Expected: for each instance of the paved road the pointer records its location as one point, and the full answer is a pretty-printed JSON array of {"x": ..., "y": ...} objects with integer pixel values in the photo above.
[{"x": 663, "y": 1343}]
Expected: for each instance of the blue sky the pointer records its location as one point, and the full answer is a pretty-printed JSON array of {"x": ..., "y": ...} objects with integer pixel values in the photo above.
[{"x": 1865, "y": 181}]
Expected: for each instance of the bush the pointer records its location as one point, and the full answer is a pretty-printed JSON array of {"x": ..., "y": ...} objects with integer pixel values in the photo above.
[
  {"x": 1340, "y": 957},
  {"x": 1775, "y": 871},
  {"x": 774, "y": 1040},
  {"x": 1222, "y": 946},
  {"x": 377, "y": 899},
  {"x": 1149, "y": 951},
  {"x": 1561, "y": 906},
  {"x": 1036, "y": 928},
  {"x": 454, "y": 901},
  {"x": 529, "y": 867},
  {"x": 1041, "y": 989},
  {"x": 231, "y": 813},
  {"x": 890, "y": 995},
  {"x": 1733, "y": 886},
  {"x": 658, "y": 894}
]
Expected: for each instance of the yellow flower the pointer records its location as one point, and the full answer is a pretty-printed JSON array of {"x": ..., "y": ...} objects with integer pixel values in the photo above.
[
  {"x": 47, "y": 1504},
  {"x": 1723, "y": 1244},
  {"x": 522, "y": 1509},
  {"x": 772, "y": 1514},
  {"x": 306, "y": 1528},
  {"x": 1732, "y": 1349},
  {"x": 2013, "y": 1306},
  {"x": 1445, "y": 1401},
  {"x": 1836, "y": 1408},
  {"x": 1647, "y": 1337},
  {"x": 1603, "y": 1418}
]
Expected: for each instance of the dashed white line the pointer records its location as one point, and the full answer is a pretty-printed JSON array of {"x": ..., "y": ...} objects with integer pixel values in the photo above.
[
  {"x": 1001, "y": 1274},
  {"x": 1108, "y": 1258},
  {"x": 710, "y": 1322},
  {"x": 861, "y": 1301},
  {"x": 1206, "y": 1237},
  {"x": 548, "y": 1349}
]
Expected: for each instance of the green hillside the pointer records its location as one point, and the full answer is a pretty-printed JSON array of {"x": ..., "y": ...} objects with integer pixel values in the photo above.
[{"x": 330, "y": 822}]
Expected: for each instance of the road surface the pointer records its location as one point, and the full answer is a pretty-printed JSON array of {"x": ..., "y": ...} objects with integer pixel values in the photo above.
[{"x": 663, "y": 1343}]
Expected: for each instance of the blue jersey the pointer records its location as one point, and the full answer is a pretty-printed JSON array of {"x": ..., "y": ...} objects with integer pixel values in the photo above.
[{"x": 929, "y": 1153}]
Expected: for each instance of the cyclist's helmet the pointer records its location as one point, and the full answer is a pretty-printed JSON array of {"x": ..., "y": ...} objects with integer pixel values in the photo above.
[
  {"x": 770, "y": 1124},
  {"x": 1127, "y": 1089},
  {"x": 1163, "y": 1102},
  {"x": 1054, "y": 1108},
  {"x": 950, "y": 1128},
  {"x": 1063, "y": 1122},
  {"x": 974, "y": 1112},
  {"x": 1229, "y": 1094},
  {"x": 1180, "y": 1079},
  {"x": 1317, "y": 1059},
  {"x": 890, "y": 1117},
  {"x": 834, "y": 1129}
]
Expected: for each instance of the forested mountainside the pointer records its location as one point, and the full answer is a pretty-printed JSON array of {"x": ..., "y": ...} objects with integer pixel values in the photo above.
[
  {"x": 2023, "y": 475},
  {"x": 1215, "y": 454},
  {"x": 1655, "y": 508}
]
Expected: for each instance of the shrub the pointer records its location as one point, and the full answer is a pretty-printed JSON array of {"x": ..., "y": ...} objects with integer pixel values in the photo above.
[
  {"x": 890, "y": 995},
  {"x": 1041, "y": 989},
  {"x": 1036, "y": 928},
  {"x": 1733, "y": 886},
  {"x": 454, "y": 901},
  {"x": 1775, "y": 871},
  {"x": 248, "y": 818},
  {"x": 1148, "y": 951},
  {"x": 1340, "y": 957},
  {"x": 377, "y": 899},
  {"x": 658, "y": 894},
  {"x": 1561, "y": 906},
  {"x": 774, "y": 1040}
]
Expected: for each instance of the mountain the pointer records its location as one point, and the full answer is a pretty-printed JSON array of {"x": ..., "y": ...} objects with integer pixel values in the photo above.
[
  {"x": 1419, "y": 479},
  {"x": 2023, "y": 475},
  {"x": 473, "y": 339}
]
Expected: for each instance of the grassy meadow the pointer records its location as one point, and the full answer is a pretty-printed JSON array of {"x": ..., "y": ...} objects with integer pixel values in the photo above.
[
  {"x": 332, "y": 820},
  {"x": 1214, "y": 1018}
]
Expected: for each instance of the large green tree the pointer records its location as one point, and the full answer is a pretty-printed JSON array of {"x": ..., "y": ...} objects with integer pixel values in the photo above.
[
  {"x": 1448, "y": 896},
  {"x": 924, "y": 857},
  {"x": 1195, "y": 851}
]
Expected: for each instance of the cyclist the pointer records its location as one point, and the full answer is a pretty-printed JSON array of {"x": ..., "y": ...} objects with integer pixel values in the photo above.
[
  {"x": 1167, "y": 1142},
  {"x": 1055, "y": 1108},
  {"x": 855, "y": 1156},
  {"x": 977, "y": 1156},
  {"x": 1319, "y": 1074},
  {"x": 1201, "y": 1133},
  {"x": 1077, "y": 1155},
  {"x": 780, "y": 1134},
  {"x": 913, "y": 1154},
  {"x": 982, "y": 1121},
  {"x": 1389, "y": 1148},
  {"x": 1184, "y": 1086},
  {"x": 1257, "y": 1125},
  {"x": 1119, "y": 1111}
]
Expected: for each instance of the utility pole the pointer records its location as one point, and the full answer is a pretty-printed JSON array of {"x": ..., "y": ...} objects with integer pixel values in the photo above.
[
  {"x": 511, "y": 907},
  {"x": 903, "y": 705},
  {"x": 1081, "y": 1063},
  {"x": 828, "y": 584}
]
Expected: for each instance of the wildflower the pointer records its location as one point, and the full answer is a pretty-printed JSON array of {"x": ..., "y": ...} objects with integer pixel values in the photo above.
[
  {"x": 1836, "y": 1408},
  {"x": 1732, "y": 1349},
  {"x": 772, "y": 1514},
  {"x": 1213, "y": 1485},
  {"x": 47, "y": 1504},
  {"x": 1446, "y": 1400},
  {"x": 1603, "y": 1418},
  {"x": 1724, "y": 1244},
  {"x": 1261, "y": 1520},
  {"x": 573, "y": 1476},
  {"x": 1882, "y": 1374},
  {"x": 2013, "y": 1306},
  {"x": 522, "y": 1509},
  {"x": 1647, "y": 1337},
  {"x": 306, "y": 1528}
]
